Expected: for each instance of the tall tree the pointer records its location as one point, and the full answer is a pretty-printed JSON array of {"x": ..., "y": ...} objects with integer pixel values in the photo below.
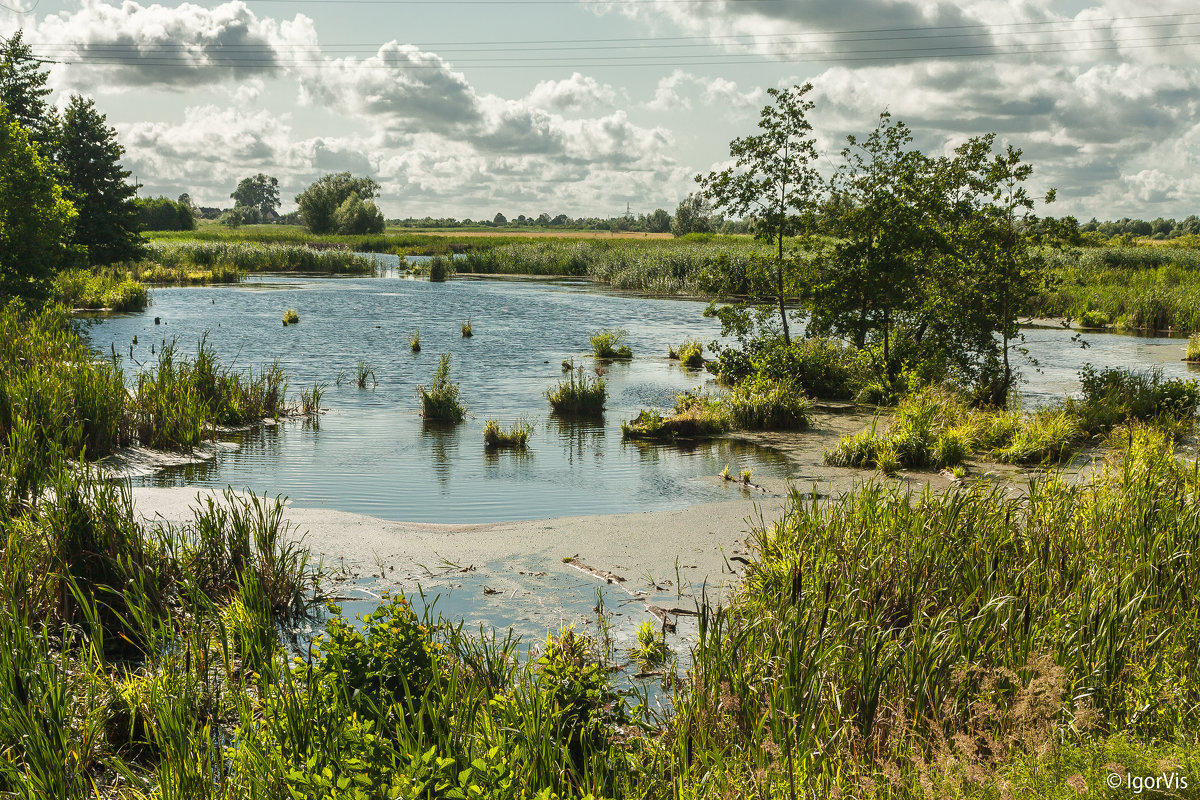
[
  {"x": 774, "y": 180},
  {"x": 35, "y": 221},
  {"x": 260, "y": 192},
  {"x": 321, "y": 200},
  {"x": 23, "y": 89},
  {"x": 692, "y": 215},
  {"x": 90, "y": 158},
  {"x": 871, "y": 288}
]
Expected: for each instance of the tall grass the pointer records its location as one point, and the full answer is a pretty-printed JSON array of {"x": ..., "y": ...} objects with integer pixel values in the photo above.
[
  {"x": 253, "y": 257},
  {"x": 496, "y": 437},
  {"x": 759, "y": 404},
  {"x": 439, "y": 403},
  {"x": 579, "y": 395},
  {"x": 690, "y": 354},
  {"x": 609, "y": 344},
  {"x": 81, "y": 288}
]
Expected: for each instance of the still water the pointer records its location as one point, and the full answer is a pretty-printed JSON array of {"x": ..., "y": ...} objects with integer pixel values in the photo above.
[{"x": 372, "y": 453}]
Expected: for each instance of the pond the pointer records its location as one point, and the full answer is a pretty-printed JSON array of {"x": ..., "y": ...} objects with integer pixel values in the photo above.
[{"x": 373, "y": 454}]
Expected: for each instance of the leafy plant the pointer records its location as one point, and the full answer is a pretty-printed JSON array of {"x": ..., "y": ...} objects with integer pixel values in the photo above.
[
  {"x": 610, "y": 344},
  {"x": 496, "y": 437},
  {"x": 439, "y": 403},
  {"x": 579, "y": 395}
]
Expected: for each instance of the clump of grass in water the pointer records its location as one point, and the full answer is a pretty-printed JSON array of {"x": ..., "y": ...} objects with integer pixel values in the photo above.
[
  {"x": 496, "y": 437},
  {"x": 291, "y": 317},
  {"x": 690, "y": 354},
  {"x": 440, "y": 268},
  {"x": 466, "y": 329},
  {"x": 1094, "y": 319},
  {"x": 362, "y": 373},
  {"x": 610, "y": 345},
  {"x": 651, "y": 650},
  {"x": 415, "y": 342},
  {"x": 579, "y": 395},
  {"x": 439, "y": 403},
  {"x": 696, "y": 416},
  {"x": 1193, "y": 348},
  {"x": 310, "y": 400}
]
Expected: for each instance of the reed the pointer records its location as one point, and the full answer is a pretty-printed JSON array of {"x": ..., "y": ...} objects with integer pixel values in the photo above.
[
  {"x": 466, "y": 329},
  {"x": 439, "y": 403},
  {"x": 414, "y": 343},
  {"x": 291, "y": 316},
  {"x": 579, "y": 395},
  {"x": 310, "y": 399},
  {"x": 496, "y": 437},
  {"x": 1193, "y": 348},
  {"x": 690, "y": 354},
  {"x": 440, "y": 268},
  {"x": 81, "y": 288},
  {"x": 244, "y": 257}
]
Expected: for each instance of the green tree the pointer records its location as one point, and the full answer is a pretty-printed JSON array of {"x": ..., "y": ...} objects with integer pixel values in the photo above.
[
  {"x": 90, "y": 158},
  {"x": 260, "y": 192},
  {"x": 499, "y": 219},
  {"x": 162, "y": 214},
  {"x": 870, "y": 289},
  {"x": 659, "y": 221},
  {"x": 358, "y": 216},
  {"x": 23, "y": 89},
  {"x": 775, "y": 180},
  {"x": 320, "y": 202},
  {"x": 36, "y": 221},
  {"x": 692, "y": 215}
]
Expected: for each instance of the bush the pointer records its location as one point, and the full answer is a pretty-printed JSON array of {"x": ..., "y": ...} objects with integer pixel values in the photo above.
[
  {"x": 609, "y": 345},
  {"x": 579, "y": 395},
  {"x": 440, "y": 268},
  {"x": 82, "y": 288},
  {"x": 696, "y": 417},
  {"x": 439, "y": 403},
  {"x": 820, "y": 367},
  {"x": 1114, "y": 396},
  {"x": 1047, "y": 437},
  {"x": 1094, "y": 319},
  {"x": 291, "y": 316},
  {"x": 1193, "y": 348}
]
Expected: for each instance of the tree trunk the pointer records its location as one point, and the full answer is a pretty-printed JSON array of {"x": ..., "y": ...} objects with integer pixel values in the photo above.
[{"x": 787, "y": 335}]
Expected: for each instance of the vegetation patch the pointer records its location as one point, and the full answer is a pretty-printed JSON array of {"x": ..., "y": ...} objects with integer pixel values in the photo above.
[
  {"x": 579, "y": 395},
  {"x": 689, "y": 354},
  {"x": 496, "y": 437},
  {"x": 609, "y": 345},
  {"x": 439, "y": 403},
  {"x": 84, "y": 288},
  {"x": 467, "y": 333},
  {"x": 414, "y": 343},
  {"x": 440, "y": 268},
  {"x": 291, "y": 316}
]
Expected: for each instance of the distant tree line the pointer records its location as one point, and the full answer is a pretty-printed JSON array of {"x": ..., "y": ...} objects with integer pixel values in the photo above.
[{"x": 1094, "y": 230}]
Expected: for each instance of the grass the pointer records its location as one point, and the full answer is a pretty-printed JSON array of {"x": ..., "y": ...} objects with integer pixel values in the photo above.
[
  {"x": 690, "y": 354},
  {"x": 291, "y": 316},
  {"x": 609, "y": 344},
  {"x": 81, "y": 288},
  {"x": 696, "y": 416},
  {"x": 1193, "y": 348},
  {"x": 759, "y": 404},
  {"x": 178, "y": 274},
  {"x": 363, "y": 373},
  {"x": 244, "y": 257},
  {"x": 466, "y": 329},
  {"x": 651, "y": 650},
  {"x": 495, "y": 437},
  {"x": 414, "y": 343},
  {"x": 440, "y": 268},
  {"x": 579, "y": 395},
  {"x": 310, "y": 399},
  {"x": 439, "y": 403}
]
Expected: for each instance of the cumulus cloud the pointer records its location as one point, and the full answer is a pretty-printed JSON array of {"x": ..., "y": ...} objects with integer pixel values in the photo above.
[
  {"x": 669, "y": 93},
  {"x": 131, "y": 45},
  {"x": 576, "y": 93}
]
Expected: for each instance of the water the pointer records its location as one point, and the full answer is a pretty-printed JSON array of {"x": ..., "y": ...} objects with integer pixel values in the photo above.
[{"x": 373, "y": 454}]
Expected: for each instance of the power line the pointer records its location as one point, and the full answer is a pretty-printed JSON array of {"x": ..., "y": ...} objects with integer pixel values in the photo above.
[{"x": 210, "y": 61}]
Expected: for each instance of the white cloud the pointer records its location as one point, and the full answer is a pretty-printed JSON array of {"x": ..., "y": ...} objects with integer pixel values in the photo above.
[
  {"x": 668, "y": 95},
  {"x": 722, "y": 92},
  {"x": 576, "y": 93}
]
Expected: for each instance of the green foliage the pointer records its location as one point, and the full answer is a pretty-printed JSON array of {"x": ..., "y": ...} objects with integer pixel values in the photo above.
[
  {"x": 340, "y": 203},
  {"x": 1094, "y": 319},
  {"x": 579, "y": 395},
  {"x": 763, "y": 404},
  {"x": 696, "y": 417},
  {"x": 496, "y": 437},
  {"x": 1193, "y": 348},
  {"x": 1115, "y": 396},
  {"x": 310, "y": 399},
  {"x": 466, "y": 329},
  {"x": 82, "y": 288},
  {"x": 89, "y": 156},
  {"x": 774, "y": 180},
  {"x": 609, "y": 344},
  {"x": 246, "y": 257},
  {"x": 23, "y": 91},
  {"x": 690, "y": 354},
  {"x": 414, "y": 343},
  {"x": 37, "y": 221},
  {"x": 259, "y": 193},
  {"x": 439, "y": 403},
  {"x": 692, "y": 215},
  {"x": 161, "y": 214},
  {"x": 651, "y": 650},
  {"x": 440, "y": 268},
  {"x": 291, "y": 316},
  {"x": 820, "y": 367}
]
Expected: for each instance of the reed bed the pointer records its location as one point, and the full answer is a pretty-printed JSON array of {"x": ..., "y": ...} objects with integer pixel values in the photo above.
[
  {"x": 254, "y": 257},
  {"x": 689, "y": 354},
  {"x": 82, "y": 288},
  {"x": 753, "y": 405},
  {"x": 1132, "y": 288},
  {"x": 609, "y": 345},
  {"x": 153, "y": 273},
  {"x": 660, "y": 267}
]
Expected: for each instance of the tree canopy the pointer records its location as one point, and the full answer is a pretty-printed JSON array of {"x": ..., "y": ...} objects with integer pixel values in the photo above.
[
  {"x": 329, "y": 194},
  {"x": 23, "y": 89},
  {"x": 256, "y": 197},
  {"x": 90, "y": 158},
  {"x": 36, "y": 221}
]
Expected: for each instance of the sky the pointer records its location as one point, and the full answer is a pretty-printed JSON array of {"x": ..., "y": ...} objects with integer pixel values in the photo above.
[{"x": 466, "y": 108}]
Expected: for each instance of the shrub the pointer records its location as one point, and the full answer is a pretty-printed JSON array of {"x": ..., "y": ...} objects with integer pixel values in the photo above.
[
  {"x": 1094, "y": 319},
  {"x": 820, "y": 367},
  {"x": 415, "y": 342},
  {"x": 1193, "y": 348},
  {"x": 439, "y": 403},
  {"x": 579, "y": 395},
  {"x": 609, "y": 345},
  {"x": 1114, "y": 396},
  {"x": 515, "y": 438},
  {"x": 466, "y": 329},
  {"x": 440, "y": 268},
  {"x": 291, "y": 316}
]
